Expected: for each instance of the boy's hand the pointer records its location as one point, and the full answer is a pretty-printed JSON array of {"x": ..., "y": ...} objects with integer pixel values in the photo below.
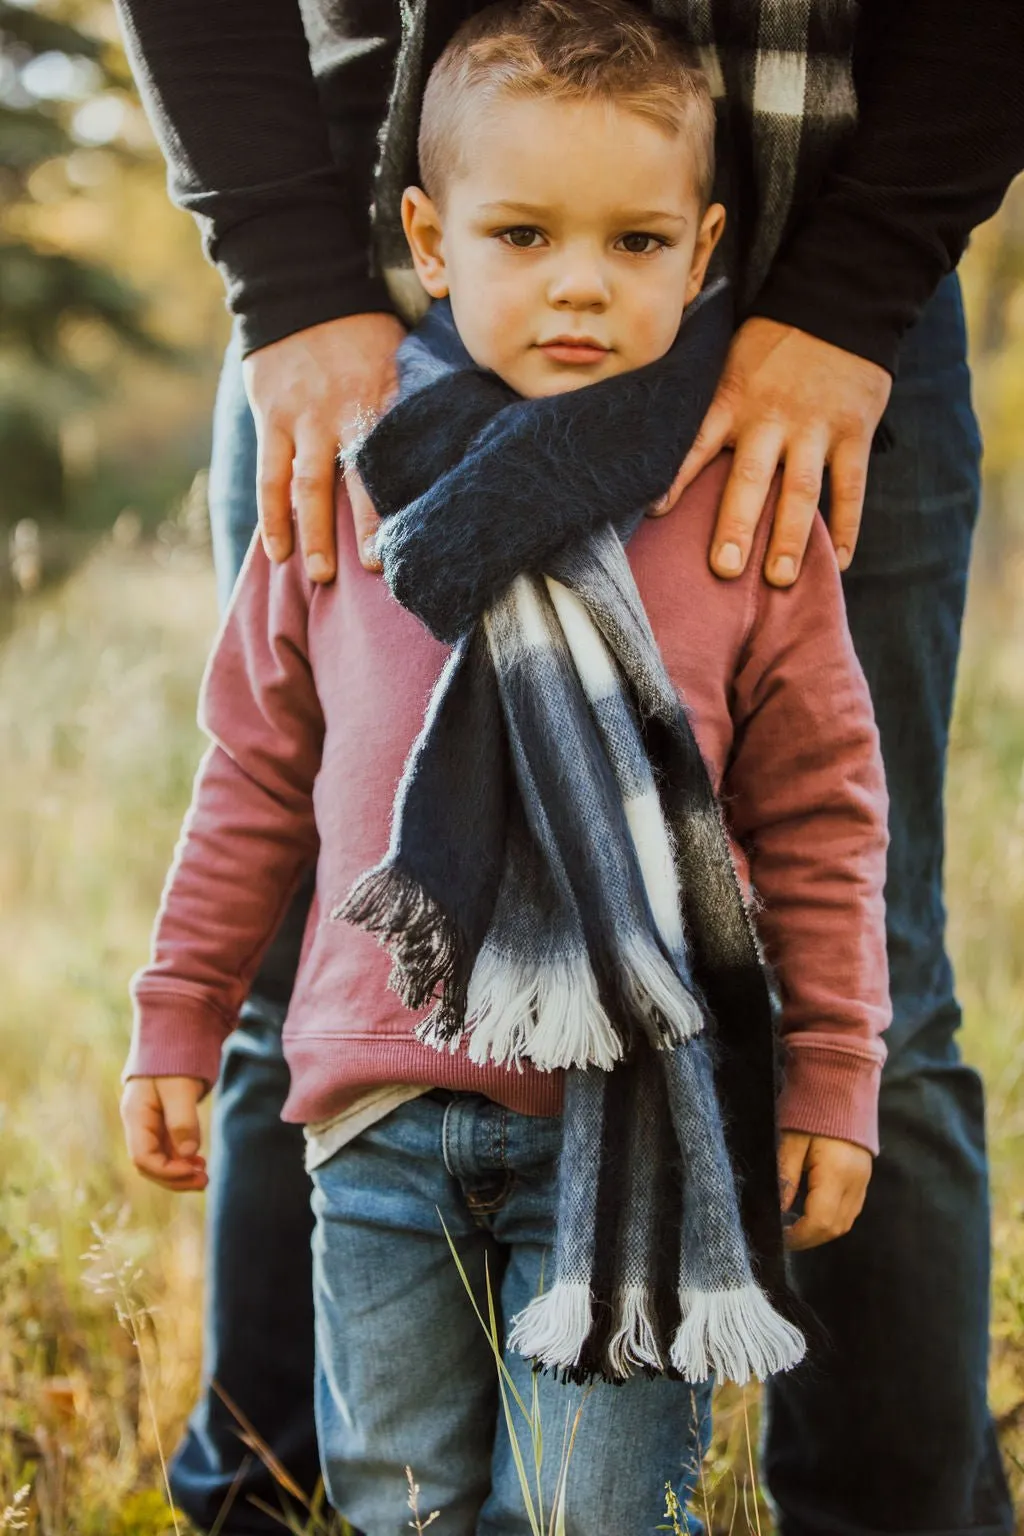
[
  {"x": 787, "y": 398},
  {"x": 311, "y": 393},
  {"x": 838, "y": 1173},
  {"x": 161, "y": 1128}
]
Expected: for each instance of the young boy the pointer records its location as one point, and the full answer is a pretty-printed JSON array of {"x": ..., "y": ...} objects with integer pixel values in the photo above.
[{"x": 565, "y": 212}]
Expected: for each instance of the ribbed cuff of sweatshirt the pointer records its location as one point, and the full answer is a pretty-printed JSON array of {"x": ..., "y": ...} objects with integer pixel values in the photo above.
[
  {"x": 829, "y": 1090},
  {"x": 292, "y": 268},
  {"x": 173, "y": 1037},
  {"x": 853, "y": 278}
]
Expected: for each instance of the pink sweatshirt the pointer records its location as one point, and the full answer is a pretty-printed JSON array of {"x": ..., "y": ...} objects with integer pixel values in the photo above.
[{"x": 312, "y": 699}]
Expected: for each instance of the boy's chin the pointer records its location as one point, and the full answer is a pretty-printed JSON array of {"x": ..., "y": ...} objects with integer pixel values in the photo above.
[{"x": 539, "y": 383}]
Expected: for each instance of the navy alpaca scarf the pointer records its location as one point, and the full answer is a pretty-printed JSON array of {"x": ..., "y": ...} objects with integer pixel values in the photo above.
[{"x": 559, "y": 880}]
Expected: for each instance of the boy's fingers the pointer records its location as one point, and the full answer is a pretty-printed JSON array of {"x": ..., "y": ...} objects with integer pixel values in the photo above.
[
  {"x": 148, "y": 1141},
  {"x": 848, "y": 475},
  {"x": 273, "y": 486},
  {"x": 839, "y": 1173},
  {"x": 179, "y": 1097},
  {"x": 821, "y": 1221},
  {"x": 753, "y": 468},
  {"x": 796, "y": 510},
  {"x": 792, "y": 1154}
]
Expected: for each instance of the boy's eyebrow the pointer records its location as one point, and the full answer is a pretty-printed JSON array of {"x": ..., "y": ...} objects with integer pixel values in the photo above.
[{"x": 623, "y": 216}]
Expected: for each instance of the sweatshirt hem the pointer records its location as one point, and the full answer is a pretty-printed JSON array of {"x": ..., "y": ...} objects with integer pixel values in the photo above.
[{"x": 329, "y": 1074}]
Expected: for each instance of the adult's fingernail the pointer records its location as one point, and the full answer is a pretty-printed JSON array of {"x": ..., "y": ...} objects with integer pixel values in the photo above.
[
  {"x": 275, "y": 547},
  {"x": 784, "y": 570},
  {"x": 370, "y": 552},
  {"x": 317, "y": 568},
  {"x": 729, "y": 559},
  {"x": 843, "y": 556}
]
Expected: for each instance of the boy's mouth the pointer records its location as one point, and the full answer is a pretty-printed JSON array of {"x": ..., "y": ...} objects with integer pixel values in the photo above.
[{"x": 574, "y": 349}]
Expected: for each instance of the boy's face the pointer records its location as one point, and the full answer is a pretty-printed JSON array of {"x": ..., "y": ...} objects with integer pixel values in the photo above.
[{"x": 570, "y": 239}]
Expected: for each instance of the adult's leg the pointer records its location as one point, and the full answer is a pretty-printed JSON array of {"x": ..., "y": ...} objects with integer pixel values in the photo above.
[
  {"x": 258, "y": 1322},
  {"x": 889, "y": 1431}
]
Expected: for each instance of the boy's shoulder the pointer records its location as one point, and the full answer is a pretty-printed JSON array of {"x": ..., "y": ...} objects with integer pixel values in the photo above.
[{"x": 682, "y": 535}]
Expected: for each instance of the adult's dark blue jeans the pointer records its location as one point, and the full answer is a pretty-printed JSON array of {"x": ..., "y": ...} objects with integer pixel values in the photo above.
[{"x": 889, "y": 1430}]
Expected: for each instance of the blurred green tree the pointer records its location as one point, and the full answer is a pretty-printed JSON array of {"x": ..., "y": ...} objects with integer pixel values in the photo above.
[{"x": 49, "y": 67}]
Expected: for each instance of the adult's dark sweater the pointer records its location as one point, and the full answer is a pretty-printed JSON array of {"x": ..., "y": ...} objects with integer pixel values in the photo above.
[{"x": 267, "y": 113}]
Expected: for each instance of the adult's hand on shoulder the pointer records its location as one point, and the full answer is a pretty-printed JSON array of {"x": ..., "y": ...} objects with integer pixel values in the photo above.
[
  {"x": 311, "y": 393},
  {"x": 789, "y": 398}
]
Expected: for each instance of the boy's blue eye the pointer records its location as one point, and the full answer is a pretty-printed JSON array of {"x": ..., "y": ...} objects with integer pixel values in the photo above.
[
  {"x": 639, "y": 244},
  {"x": 522, "y": 236}
]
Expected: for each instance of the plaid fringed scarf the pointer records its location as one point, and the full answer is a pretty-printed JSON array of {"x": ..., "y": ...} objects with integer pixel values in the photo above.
[
  {"x": 781, "y": 75},
  {"x": 559, "y": 877}
]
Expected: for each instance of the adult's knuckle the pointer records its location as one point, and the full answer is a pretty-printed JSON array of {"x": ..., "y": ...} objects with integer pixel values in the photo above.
[
  {"x": 272, "y": 477},
  {"x": 804, "y": 482},
  {"x": 307, "y": 483},
  {"x": 750, "y": 469},
  {"x": 733, "y": 529},
  {"x": 731, "y": 389},
  {"x": 854, "y": 421},
  {"x": 850, "y": 482}
]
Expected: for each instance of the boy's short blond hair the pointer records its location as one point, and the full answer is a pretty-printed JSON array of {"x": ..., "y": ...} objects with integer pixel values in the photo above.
[{"x": 603, "y": 50}]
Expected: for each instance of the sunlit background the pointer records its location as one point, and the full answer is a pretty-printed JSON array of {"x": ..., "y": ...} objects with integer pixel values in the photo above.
[{"x": 111, "y": 330}]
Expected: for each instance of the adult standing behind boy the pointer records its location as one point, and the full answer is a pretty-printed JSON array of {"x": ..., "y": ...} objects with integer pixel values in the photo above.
[{"x": 862, "y": 144}]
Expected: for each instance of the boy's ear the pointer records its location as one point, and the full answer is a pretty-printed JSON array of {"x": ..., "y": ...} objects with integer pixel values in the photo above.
[
  {"x": 708, "y": 236},
  {"x": 422, "y": 224}
]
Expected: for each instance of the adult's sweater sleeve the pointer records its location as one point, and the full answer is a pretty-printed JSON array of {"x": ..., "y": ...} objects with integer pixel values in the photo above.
[
  {"x": 229, "y": 89},
  {"x": 939, "y": 138},
  {"x": 249, "y": 834},
  {"x": 805, "y": 796}
]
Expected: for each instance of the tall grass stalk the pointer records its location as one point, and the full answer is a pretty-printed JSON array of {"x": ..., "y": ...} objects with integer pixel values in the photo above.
[
  {"x": 118, "y": 1278},
  {"x": 533, "y": 1497},
  {"x": 15, "y": 1516}
]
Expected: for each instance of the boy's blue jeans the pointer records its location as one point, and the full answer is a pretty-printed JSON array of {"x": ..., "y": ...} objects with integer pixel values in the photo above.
[
  {"x": 405, "y": 1371},
  {"x": 890, "y": 1432}
]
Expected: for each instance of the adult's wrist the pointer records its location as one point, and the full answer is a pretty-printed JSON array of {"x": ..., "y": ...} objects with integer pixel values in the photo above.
[
  {"x": 272, "y": 322},
  {"x": 293, "y": 268},
  {"x": 853, "y": 279}
]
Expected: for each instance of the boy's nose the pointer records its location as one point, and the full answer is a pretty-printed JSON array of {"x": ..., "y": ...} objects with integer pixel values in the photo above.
[{"x": 579, "y": 285}]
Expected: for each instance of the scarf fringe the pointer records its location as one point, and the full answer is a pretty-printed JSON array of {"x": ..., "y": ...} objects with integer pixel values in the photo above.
[
  {"x": 734, "y": 1333},
  {"x": 423, "y": 941},
  {"x": 554, "y": 1328},
  {"x": 634, "y": 1344},
  {"x": 656, "y": 997},
  {"x": 549, "y": 1014}
]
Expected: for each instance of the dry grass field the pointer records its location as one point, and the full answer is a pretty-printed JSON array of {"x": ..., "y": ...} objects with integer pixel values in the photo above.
[{"x": 97, "y": 748}]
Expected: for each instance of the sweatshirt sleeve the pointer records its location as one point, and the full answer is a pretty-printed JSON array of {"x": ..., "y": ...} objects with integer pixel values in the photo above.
[
  {"x": 939, "y": 138},
  {"x": 249, "y": 834},
  {"x": 229, "y": 89},
  {"x": 805, "y": 796}
]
